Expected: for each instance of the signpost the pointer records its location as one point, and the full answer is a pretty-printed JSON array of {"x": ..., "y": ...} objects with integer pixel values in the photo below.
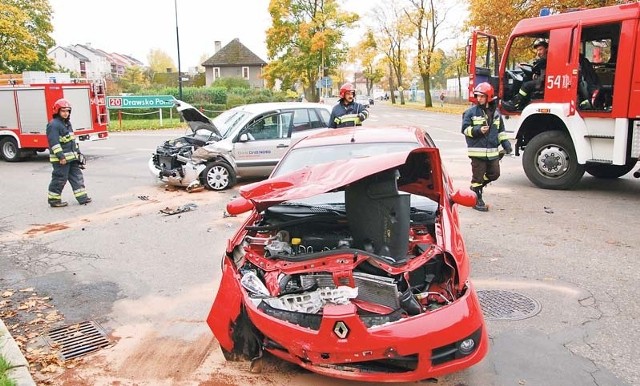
[{"x": 140, "y": 102}]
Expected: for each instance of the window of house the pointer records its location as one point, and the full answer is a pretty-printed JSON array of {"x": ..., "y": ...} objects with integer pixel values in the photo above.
[
  {"x": 216, "y": 73},
  {"x": 245, "y": 72}
]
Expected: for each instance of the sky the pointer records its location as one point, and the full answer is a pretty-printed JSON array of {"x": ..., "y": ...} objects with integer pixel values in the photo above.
[{"x": 134, "y": 27}]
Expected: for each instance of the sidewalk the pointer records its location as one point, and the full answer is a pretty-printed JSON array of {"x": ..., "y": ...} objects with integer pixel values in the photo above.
[{"x": 11, "y": 353}]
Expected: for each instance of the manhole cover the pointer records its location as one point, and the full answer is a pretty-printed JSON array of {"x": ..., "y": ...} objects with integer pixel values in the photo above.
[
  {"x": 499, "y": 304},
  {"x": 76, "y": 340}
]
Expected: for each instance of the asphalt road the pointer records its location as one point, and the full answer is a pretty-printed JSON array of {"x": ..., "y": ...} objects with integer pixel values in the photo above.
[{"x": 149, "y": 279}]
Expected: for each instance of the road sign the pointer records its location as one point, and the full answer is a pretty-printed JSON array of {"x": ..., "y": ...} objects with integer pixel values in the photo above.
[
  {"x": 324, "y": 82},
  {"x": 140, "y": 101}
]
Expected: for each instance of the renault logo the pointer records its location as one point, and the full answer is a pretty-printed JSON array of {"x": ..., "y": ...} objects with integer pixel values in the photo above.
[{"x": 341, "y": 330}]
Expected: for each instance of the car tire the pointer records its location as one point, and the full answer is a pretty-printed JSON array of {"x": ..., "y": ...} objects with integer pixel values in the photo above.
[
  {"x": 550, "y": 161},
  {"x": 609, "y": 172},
  {"x": 9, "y": 150},
  {"x": 218, "y": 175}
]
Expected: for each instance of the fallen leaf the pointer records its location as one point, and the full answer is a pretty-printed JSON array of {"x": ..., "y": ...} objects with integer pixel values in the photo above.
[
  {"x": 30, "y": 289},
  {"x": 6, "y": 294}
]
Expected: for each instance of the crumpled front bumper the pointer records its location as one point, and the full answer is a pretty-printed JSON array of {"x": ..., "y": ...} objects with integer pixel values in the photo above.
[{"x": 412, "y": 349}]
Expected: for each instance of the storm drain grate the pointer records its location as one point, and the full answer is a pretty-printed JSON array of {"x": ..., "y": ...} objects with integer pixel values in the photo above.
[
  {"x": 77, "y": 339},
  {"x": 499, "y": 304}
]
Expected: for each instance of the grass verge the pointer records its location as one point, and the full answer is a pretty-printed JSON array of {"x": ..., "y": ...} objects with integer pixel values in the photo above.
[
  {"x": 145, "y": 124},
  {"x": 4, "y": 369}
]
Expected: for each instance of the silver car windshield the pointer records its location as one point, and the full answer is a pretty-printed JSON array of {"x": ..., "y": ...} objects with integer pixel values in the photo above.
[
  {"x": 307, "y": 156},
  {"x": 229, "y": 120}
]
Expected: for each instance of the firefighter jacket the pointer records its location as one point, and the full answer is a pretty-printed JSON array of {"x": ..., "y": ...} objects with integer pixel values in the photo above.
[
  {"x": 62, "y": 143},
  {"x": 347, "y": 115},
  {"x": 484, "y": 146}
]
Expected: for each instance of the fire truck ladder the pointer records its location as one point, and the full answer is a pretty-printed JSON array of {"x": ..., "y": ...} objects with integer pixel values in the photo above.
[{"x": 99, "y": 90}]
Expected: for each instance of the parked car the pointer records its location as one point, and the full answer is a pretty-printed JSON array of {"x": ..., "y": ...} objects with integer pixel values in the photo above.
[
  {"x": 363, "y": 100},
  {"x": 245, "y": 141},
  {"x": 351, "y": 262}
]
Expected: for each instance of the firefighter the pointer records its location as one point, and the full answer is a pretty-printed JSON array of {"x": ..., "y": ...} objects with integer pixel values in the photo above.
[
  {"x": 539, "y": 66},
  {"x": 347, "y": 112},
  {"x": 65, "y": 157},
  {"x": 483, "y": 129}
]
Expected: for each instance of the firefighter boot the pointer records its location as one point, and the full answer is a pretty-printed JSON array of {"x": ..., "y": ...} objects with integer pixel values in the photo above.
[
  {"x": 480, "y": 205},
  {"x": 58, "y": 204},
  {"x": 514, "y": 104}
]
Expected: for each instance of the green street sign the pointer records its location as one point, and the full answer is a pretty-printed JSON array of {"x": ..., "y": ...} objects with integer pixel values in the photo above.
[{"x": 140, "y": 102}]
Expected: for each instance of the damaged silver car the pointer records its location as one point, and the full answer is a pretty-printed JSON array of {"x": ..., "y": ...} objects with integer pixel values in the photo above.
[{"x": 245, "y": 141}]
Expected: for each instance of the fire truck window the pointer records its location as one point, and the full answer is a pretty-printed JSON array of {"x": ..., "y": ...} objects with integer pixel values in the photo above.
[{"x": 599, "y": 48}]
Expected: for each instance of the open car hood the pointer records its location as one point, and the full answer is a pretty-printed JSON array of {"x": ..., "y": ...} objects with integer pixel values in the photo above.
[
  {"x": 194, "y": 117},
  {"x": 420, "y": 172}
]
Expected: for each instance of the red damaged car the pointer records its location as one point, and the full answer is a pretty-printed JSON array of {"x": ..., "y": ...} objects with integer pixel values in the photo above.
[{"x": 351, "y": 262}]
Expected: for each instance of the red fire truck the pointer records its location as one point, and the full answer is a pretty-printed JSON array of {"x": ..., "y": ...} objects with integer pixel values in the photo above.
[
  {"x": 573, "y": 122},
  {"x": 25, "y": 109}
]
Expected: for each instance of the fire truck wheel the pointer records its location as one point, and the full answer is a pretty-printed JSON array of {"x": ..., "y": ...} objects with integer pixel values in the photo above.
[
  {"x": 218, "y": 175},
  {"x": 9, "y": 150},
  {"x": 550, "y": 161},
  {"x": 609, "y": 171}
]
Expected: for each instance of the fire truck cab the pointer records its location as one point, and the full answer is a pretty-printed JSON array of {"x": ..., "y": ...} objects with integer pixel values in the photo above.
[
  {"x": 582, "y": 115},
  {"x": 26, "y": 108}
]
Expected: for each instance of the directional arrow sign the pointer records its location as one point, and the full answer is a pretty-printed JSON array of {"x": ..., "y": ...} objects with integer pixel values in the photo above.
[{"x": 140, "y": 102}]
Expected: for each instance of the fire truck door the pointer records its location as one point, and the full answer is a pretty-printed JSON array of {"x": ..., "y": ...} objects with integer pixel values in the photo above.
[
  {"x": 482, "y": 61},
  {"x": 80, "y": 101},
  {"x": 8, "y": 117},
  {"x": 561, "y": 76},
  {"x": 32, "y": 110}
]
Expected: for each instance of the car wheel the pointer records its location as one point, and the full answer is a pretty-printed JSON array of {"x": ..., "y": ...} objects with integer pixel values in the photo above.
[
  {"x": 218, "y": 176},
  {"x": 550, "y": 161},
  {"x": 609, "y": 171},
  {"x": 9, "y": 150}
]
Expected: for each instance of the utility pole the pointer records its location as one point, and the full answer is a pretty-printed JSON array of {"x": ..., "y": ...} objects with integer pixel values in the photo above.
[{"x": 175, "y": 5}]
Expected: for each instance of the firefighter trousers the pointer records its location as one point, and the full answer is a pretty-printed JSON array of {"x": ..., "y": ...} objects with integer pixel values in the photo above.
[
  {"x": 484, "y": 171},
  {"x": 61, "y": 174}
]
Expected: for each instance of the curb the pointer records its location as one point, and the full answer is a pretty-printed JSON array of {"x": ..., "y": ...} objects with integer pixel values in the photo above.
[{"x": 11, "y": 353}]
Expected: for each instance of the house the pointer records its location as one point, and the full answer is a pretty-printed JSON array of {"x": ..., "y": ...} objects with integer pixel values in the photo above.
[
  {"x": 70, "y": 59},
  {"x": 91, "y": 63},
  {"x": 234, "y": 60},
  {"x": 100, "y": 66}
]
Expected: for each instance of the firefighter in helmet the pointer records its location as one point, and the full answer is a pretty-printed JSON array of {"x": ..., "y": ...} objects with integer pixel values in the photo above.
[
  {"x": 347, "y": 112},
  {"x": 483, "y": 129},
  {"x": 538, "y": 68},
  {"x": 65, "y": 157}
]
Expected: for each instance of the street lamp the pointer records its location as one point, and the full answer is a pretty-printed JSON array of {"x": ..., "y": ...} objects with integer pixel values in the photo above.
[{"x": 175, "y": 5}]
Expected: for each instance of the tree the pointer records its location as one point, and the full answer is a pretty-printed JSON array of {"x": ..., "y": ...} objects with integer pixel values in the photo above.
[
  {"x": 427, "y": 20},
  {"x": 367, "y": 51},
  {"x": 394, "y": 34},
  {"x": 25, "y": 26},
  {"x": 160, "y": 61},
  {"x": 304, "y": 42}
]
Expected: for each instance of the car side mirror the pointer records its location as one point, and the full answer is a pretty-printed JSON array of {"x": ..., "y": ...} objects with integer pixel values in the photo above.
[
  {"x": 238, "y": 206},
  {"x": 464, "y": 197},
  {"x": 244, "y": 137}
]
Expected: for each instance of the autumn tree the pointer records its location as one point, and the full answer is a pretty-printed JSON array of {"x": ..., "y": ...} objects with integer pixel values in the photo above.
[
  {"x": 394, "y": 35},
  {"x": 25, "y": 26},
  {"x": 427, "y": 17},
  {"x": 305, "y": 42},
  {"x": 160, "y": 61},
  {"x": 367, "y": 53}
]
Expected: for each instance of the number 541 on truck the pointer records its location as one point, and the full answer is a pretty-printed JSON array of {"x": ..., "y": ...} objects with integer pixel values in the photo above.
[
  {"x": 26, "y": 108},
  {"x": 584, "y": 114}
]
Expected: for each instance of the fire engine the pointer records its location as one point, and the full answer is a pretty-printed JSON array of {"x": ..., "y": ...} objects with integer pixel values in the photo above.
[
  {"x": 573, "y": 123},
  {"x": 26, "y": 107}
]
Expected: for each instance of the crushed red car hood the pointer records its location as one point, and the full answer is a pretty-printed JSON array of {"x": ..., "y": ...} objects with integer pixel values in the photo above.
[{"x": 421, "y": 173}]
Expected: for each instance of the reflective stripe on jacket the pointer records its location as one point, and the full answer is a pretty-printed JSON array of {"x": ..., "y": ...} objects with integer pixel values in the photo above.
[
  {"x": 62, "y": 142},
  {"x": 340, "y": 110},
  {"x": 483, "y": 145}
]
